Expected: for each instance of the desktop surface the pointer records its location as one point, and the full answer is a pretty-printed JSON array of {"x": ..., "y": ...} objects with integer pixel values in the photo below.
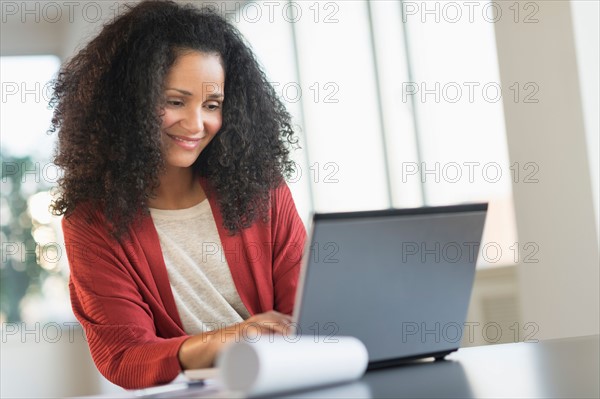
[{"x": 561, "y": 368}]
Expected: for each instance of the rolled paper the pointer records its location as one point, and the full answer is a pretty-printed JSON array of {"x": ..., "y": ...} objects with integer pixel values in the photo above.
[{"x": 278, "y": 364}]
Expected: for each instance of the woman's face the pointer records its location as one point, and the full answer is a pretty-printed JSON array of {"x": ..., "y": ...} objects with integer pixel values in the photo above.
[{"x": 193, "y": 112}]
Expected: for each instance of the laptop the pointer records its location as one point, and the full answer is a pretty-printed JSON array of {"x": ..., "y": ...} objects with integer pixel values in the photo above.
[{"x": 399, "y": 280}]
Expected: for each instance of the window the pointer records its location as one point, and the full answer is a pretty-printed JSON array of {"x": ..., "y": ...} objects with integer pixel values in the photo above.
[
  {"x": 398, "y": 103},
  {"x": 458, "y": 105},
  {"x": 34, "y": 268}
]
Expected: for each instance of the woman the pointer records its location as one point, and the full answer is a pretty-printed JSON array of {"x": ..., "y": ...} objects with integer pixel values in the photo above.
[{"x": 180, "y": 230}]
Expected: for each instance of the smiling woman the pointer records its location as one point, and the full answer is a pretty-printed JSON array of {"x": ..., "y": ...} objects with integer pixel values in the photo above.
[
  {"x": 175, "y": 152},
  {"x": 191, "y": 118}
]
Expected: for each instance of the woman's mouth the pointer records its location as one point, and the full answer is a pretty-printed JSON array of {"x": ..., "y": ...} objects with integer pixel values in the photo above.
[{"x": 185, "y": 142}]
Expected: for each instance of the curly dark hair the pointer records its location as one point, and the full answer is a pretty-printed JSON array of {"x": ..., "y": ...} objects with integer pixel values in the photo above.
[{"x": 105, "y": 110}]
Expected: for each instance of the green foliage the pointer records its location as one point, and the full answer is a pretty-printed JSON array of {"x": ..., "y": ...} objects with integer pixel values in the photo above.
[{"x": 20, "y": 273}]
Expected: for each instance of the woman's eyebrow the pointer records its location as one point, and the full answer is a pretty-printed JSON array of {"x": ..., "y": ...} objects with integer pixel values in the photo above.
[
  {"x": 215, "y": 95},
  {"x": 184, "y": 92}
]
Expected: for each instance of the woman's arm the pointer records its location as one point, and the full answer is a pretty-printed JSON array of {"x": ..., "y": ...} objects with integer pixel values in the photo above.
[
  {"x": 289, "y": 236},
  {"x": 132, "y": 338}
]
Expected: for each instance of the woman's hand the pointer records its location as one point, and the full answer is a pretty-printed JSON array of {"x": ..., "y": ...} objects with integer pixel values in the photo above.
[
  {"x": 267, "y": 322},
  {"x": 200, "y": 351}
]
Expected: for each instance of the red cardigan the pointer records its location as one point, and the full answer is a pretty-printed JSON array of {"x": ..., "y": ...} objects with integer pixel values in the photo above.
[{"x": 121, "y": 295}]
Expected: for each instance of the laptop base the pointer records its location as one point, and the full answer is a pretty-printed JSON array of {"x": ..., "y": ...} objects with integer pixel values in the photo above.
[{"x": 405, "y": 360}]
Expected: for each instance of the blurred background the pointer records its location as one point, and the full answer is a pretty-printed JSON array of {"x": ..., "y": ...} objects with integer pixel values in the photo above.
[{"x": 396, "y": 104}]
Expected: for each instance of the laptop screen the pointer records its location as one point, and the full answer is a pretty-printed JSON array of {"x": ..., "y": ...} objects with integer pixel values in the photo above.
[{"x": 399, "y": 280}]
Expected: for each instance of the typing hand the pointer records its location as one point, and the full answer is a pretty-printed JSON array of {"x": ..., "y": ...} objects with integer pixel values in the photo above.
[{"x": 200, "y": 351}]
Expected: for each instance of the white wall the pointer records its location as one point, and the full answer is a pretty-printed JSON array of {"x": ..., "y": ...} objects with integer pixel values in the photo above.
[
  {"x": 560, "y": 293},
  {"x": 586, "y": 23}
]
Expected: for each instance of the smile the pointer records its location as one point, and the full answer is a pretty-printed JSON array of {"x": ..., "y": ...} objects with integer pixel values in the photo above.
[{"x": 186, "y": 143}]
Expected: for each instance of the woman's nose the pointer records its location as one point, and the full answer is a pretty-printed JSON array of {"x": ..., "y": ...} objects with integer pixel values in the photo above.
[{"x": 194, "y": 121}]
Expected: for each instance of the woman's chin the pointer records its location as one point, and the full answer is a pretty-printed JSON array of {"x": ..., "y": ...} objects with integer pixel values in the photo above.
[{"x": 181, "y": 163}]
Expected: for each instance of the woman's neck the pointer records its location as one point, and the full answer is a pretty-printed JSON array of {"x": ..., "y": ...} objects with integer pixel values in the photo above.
[{"x": 179, "y": 189}]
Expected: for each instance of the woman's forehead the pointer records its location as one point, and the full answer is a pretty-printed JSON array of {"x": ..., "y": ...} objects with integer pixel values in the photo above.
[{"x": 196, "y": 69}]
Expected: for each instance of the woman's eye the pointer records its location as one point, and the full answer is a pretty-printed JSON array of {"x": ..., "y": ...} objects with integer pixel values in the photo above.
[
  {"x": 213, "y": 106},
  {"x": 175, "y": 103}
]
